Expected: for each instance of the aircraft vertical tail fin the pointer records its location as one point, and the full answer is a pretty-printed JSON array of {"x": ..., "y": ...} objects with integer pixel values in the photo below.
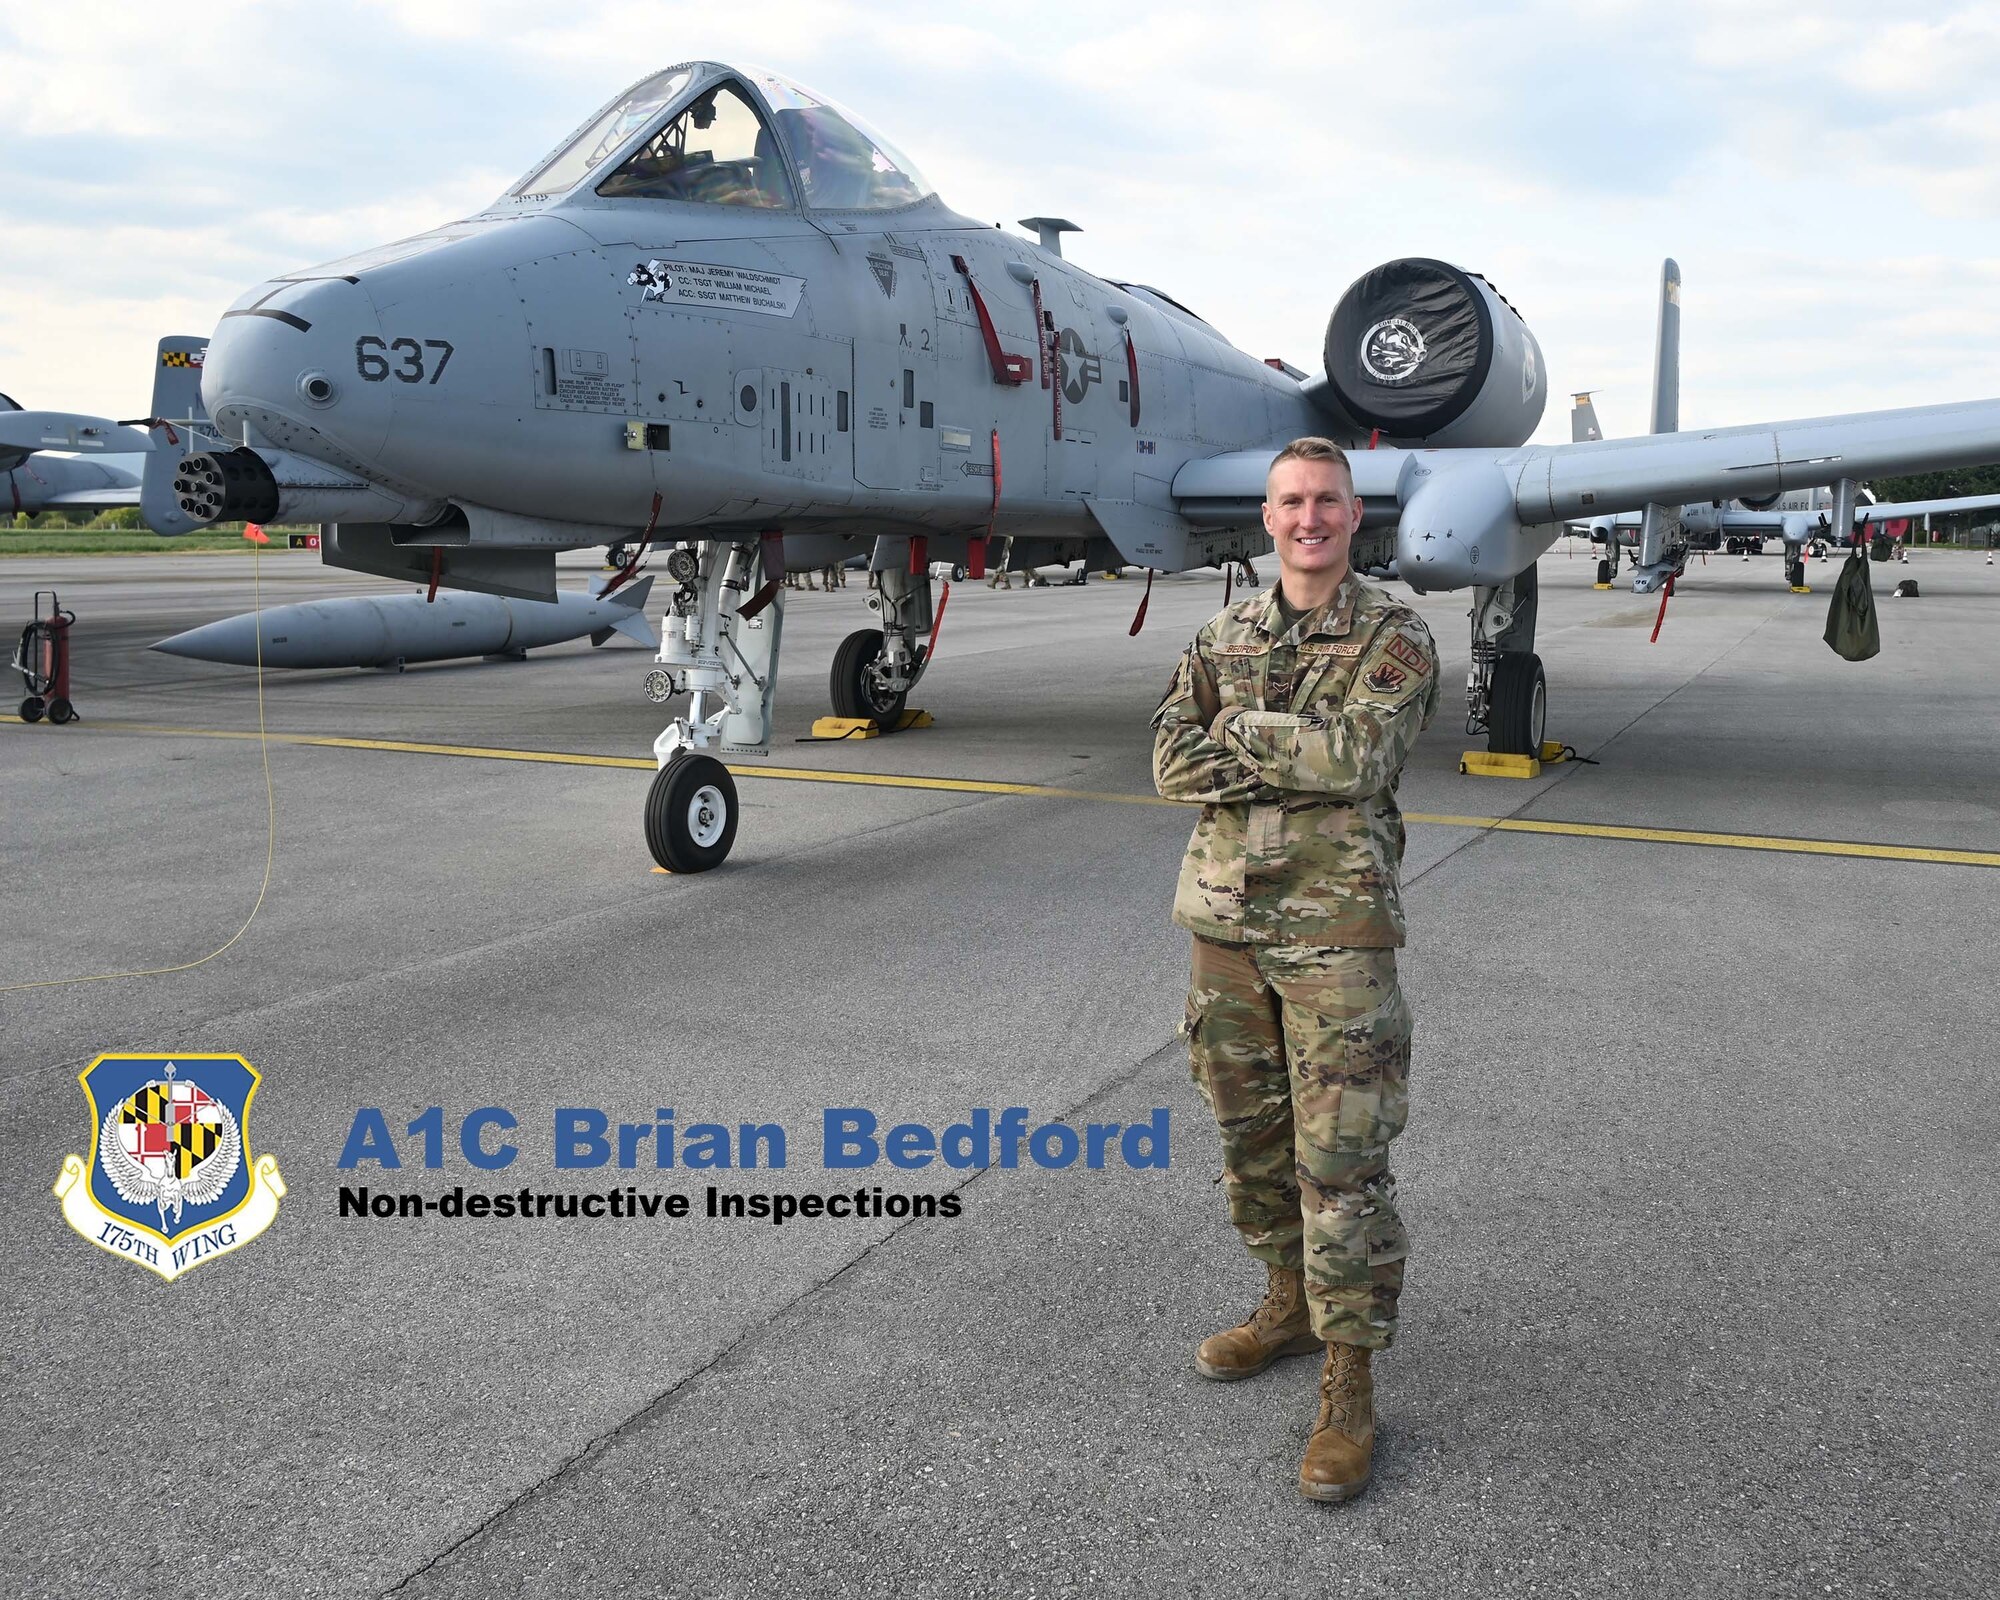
[
  {"x": 176, "y": 407},
  {"x": 1667, "y": 352},
  {"x": 1583, "y": 419}
]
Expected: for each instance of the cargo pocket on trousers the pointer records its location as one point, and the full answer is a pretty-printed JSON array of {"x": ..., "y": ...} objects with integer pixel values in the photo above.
[
  {"x": 1345, "y": 1241},
  {"x": 1375, "y": 1079},
  {"x": 1386, "y": 1239},
  {"x": 1190, "y": 1030}
]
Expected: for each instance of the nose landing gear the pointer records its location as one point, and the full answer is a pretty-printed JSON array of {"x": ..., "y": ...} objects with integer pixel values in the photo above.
[
  {"x": 726, "y": 662},
  {"x": 691, "y": 813}
]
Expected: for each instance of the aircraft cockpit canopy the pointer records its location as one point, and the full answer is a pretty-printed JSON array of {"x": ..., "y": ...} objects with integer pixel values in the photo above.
[
  {"x": 728, "y": 144},
  {"x": 716, "y": 152},
  {"x": 605, "y": 133},
  {"x": 844, "y": 164}
]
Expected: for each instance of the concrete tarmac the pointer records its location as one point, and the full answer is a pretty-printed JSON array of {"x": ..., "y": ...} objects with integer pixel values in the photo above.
[{"x": 1699, "y": 1177}]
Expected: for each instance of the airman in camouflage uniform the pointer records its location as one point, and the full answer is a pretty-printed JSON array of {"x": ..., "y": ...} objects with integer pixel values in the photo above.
[{"x": 1289, "y": 725}]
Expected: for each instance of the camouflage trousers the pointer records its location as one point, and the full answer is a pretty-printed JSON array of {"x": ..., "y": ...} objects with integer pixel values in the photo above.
[{"x": 1303, "y": 1054}]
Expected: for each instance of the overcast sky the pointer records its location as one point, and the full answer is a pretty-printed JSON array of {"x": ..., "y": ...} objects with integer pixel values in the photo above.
[{"x": 1828, "y": 175}]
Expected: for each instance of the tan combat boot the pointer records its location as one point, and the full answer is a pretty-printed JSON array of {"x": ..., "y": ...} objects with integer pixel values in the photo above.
[
  {"x": 1340, "y": 1454},
  {"x": 1280, "y": 1326}
]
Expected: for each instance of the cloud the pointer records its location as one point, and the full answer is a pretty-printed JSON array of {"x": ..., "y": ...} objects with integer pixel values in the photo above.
[{"x": 1830, "y": 180}]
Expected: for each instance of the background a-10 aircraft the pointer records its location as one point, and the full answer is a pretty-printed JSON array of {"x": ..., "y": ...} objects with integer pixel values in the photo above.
[
  {"x": 1794, "y": 516},
  {"x": 727, "y": 317},
  {"x": 61, "y": 482}
]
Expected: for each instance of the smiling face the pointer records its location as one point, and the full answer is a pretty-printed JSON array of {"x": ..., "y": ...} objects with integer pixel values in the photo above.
[{"x": 1311, "y": 512}]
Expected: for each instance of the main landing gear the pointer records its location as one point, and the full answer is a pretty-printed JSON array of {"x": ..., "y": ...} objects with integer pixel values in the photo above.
[
  {"x": 858, "y": 687},
  {"x": 1506, "y": 694},
  {"x": 875, "y": 669},
  {"x": 718, "y": 646}
]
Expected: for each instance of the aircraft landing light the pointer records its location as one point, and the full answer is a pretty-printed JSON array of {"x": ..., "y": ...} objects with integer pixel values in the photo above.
[{"x": 1774, "y": 843}]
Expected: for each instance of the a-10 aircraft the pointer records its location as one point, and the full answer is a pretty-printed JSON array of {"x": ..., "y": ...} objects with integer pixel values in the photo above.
[
  {"x": 40, "y": 482},
  {"x": 1797, "y": 517},
  {"x": 727, "y": 316}
]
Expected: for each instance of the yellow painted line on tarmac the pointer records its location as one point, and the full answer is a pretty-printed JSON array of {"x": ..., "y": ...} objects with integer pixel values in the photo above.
[
  {"x": 890, "y": 780},
  {"x": 1778, "y": 843},
  {"x": 1771, "y": 843},
  {"x": 477, "y": 752}
]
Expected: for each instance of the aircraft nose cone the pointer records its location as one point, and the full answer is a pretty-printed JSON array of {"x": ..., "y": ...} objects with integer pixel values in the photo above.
[{"x": 283, "y": 361}]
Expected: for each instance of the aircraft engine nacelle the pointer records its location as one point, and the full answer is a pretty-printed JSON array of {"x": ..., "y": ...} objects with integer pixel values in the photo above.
[
  {"x": 1432, "y": 355},
  {"x": 10, "y": 459}
]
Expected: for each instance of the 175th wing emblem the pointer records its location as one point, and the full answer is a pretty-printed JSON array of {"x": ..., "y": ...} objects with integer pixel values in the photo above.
[{"x": 170, "y": 1182}]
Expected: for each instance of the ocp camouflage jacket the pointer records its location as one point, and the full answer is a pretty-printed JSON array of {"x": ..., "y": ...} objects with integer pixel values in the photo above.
[{"x": 1292, "y": 741}]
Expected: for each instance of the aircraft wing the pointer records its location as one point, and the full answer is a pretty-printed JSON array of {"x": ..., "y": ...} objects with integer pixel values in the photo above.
[
  {"x": 109, "y": 497},
  {"x": 1737, "y": 520},
  {"x": 1463, "y": 515},
  {"x": 1890, "y": 510},
  {"x": 70, "y": 430}
]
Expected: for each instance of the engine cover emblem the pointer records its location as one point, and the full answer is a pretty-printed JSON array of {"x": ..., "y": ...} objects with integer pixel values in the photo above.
[{"x": 1392, "y": 350}]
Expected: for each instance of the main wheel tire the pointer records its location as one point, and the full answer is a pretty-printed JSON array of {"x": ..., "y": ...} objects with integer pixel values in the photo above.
[
  {"x": 61, "y": 711},
  {"x": 1603, "y": 572},
  {"x": 1517, "y": 710},
  {"x": 853, "y": 692},
  {"x": 31, "y": 708},
  {"x": 691, "y": 813}
]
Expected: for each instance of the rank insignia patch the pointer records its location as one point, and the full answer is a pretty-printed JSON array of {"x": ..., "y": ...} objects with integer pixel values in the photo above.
[
  {"x": 1386, "y": 677},
  {"x": 170, "y": 1182}
]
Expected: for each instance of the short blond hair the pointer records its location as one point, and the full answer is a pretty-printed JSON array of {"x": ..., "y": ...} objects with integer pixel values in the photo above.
[{"x": 1311, "y": 448}]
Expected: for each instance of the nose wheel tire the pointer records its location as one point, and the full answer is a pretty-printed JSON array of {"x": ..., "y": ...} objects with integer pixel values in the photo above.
[
  {"x": 1603, "y": 572},
  {"x": 1795, "y": 574},
  {"x": 1518, "y": 708},
  {"x": 853, "y": 689},
  {"x": 691, "y": 813}
]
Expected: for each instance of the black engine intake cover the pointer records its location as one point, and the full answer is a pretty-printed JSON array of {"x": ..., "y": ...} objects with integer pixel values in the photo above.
[
  {"x": 1409, "y": 346},
  {"x": 1432, "y": 355}
]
